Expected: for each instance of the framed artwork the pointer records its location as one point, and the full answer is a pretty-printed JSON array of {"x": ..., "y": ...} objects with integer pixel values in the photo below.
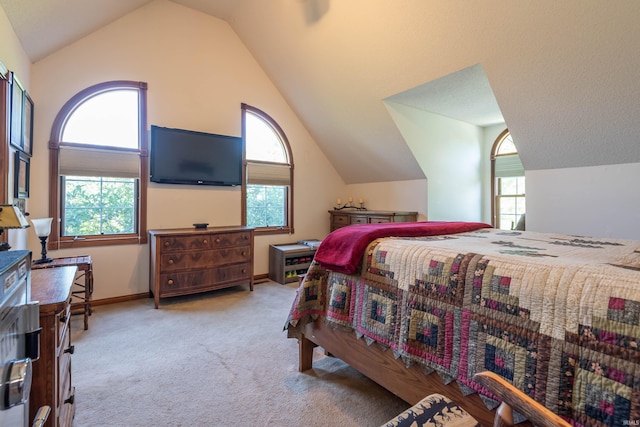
[
  {"x": 21, "y": 179},
  {"x": 27, "y": 125},
  {"x": 15, "y": 130}
]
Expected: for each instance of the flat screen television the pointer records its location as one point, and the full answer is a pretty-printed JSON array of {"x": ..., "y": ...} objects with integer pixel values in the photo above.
[{"x": 181, "y": 156}]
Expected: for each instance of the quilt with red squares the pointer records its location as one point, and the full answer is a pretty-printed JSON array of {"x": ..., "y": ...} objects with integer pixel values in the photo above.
[{"x": 556, "y": 315}]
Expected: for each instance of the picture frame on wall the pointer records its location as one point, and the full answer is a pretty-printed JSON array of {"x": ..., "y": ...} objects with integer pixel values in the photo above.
[
  {"x": 27, "y": 124},
  {"x": 17, "y": 100},
  {"x": 21, "y": 178}
]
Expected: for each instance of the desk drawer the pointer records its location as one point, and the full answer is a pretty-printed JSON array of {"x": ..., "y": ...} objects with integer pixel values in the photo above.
[{"x": 62, "y": 327}]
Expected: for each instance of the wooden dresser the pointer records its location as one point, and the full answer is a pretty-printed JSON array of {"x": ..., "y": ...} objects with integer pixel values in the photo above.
[
  {"x": 189, "y": 260},
  {"x": 51, "y": 384},
  {"x": 344, "y": 217}
]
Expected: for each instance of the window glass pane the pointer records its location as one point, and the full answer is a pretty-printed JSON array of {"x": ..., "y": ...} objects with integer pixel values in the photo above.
[
  {"x": 109, "y": 119},
  {"x": 511, "y": 185},
  {"x": 266, "y": 205},
  {"x": 263, "y": 143},
  {"x": 510, "y": 209},
  {"x": 507, "y": 146},
  {"x": 97, "y": 206}
]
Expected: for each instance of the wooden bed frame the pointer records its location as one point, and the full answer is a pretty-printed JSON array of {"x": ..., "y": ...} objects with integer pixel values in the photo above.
[{"x": 410, "y": 384}]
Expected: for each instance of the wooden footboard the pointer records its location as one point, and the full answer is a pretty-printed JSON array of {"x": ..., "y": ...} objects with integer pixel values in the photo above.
[{"x": 410, "y": 384}]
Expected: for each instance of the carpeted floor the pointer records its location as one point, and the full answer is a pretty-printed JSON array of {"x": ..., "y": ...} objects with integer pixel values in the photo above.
[{"x": 215, "y": 359}]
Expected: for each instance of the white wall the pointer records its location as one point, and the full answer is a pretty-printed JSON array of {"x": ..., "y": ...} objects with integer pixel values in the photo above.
[
  {"x": 198, "y": 73},
  {"x": 450, "y": 154},
  {"x": 14, "y": 59},
  {"x": 598, "y": 201},
  {"x": 408, "y": 196}
]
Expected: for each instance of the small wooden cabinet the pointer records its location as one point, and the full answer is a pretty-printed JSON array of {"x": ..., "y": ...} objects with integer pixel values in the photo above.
[
  {"x": 288, "y": 261},
  {"x": 51, "y": 384},
  {"x": 189, "y": 260},
  {"x": 342, "y": 218}
]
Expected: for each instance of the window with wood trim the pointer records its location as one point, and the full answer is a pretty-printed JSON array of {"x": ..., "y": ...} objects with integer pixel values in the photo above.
[
  {"x": 267, "y": 195},
  {"x": 507, "y": 184},
  {"x": 98, "y": 163}
]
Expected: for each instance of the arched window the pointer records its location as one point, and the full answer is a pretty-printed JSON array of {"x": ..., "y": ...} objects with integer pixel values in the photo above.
[
  {"x": 507, "y": 184},
  {"x": 98, "y": 153},
  {"x": 268, "y": 193}
]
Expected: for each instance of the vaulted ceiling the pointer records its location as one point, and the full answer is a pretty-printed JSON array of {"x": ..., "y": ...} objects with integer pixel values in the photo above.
[{"x": 563, "y": 75}]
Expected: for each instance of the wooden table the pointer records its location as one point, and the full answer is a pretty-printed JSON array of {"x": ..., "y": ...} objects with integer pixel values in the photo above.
[{"x": 83, "y": 288}]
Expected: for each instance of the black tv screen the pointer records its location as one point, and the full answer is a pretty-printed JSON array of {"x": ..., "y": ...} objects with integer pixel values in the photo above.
[{"x": 187, "y": 157}]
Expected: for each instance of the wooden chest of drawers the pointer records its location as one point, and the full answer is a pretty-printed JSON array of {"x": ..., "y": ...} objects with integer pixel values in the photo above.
[
  {"x": 51, "y": 384},
  {"x": 186, "y": 261},
  {"x": 343, "y": 218}
]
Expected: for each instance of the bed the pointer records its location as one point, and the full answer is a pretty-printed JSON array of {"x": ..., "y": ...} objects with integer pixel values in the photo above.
[{"x": 421, "y": 307}]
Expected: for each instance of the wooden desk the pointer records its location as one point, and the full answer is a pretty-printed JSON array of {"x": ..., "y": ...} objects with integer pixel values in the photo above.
[
  {"x": 84, "y": 289},
  {"x": 51, "y": 383}
]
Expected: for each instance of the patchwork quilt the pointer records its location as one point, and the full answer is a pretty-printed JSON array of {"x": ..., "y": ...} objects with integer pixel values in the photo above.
[{"x": 557, "y": 315}]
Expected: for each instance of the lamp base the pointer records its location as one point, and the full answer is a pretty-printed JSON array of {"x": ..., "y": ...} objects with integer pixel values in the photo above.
[{"x": 43, "y": 259}]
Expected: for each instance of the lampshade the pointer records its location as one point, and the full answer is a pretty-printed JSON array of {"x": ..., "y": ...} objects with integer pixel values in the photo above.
[
  {"x": 42, "y": 226},
  {"x": 11, "y": 217}
]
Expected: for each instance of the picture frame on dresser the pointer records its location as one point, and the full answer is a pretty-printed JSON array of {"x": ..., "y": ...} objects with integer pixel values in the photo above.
[{"x": 21, "y": 177}]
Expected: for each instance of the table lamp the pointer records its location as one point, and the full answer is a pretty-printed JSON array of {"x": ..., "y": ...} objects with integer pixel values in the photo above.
[
  {"x": 42, "y": 227},
  {"x": 10, "y": 217}
]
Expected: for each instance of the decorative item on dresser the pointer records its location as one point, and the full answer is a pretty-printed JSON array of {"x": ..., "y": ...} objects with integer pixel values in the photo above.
[
  {"x": 51, "y": 383},
  {"x": 191, "y": 260},
  {"x": 342, "y": 218}
]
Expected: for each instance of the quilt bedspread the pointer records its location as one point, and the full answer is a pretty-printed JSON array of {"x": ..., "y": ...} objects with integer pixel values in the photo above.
[{"x": 557, "y": 315}]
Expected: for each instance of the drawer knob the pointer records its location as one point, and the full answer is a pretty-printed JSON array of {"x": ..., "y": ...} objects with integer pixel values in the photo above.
[
  {"x": 166, "y": 243},
  {"x": 218, "y": 240},
  {"x": 70, "y": 399},
  {"x": 170, "y": 261},
  {"x": 244, "y": 270},
  {"x": 205, "y": 241},
  {"x": 243, "y": 253},
  {"x": 70, "y": 350},
  {"x": 169, "y": 282}
]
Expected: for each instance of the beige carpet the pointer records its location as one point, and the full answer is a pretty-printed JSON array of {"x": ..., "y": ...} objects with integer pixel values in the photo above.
[{"x": 215, "y": 359}]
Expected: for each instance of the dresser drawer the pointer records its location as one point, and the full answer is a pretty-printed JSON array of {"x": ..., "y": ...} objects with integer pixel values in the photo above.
[
  {"x": 340, "y": 220},
  {"x": 185, "y": 243},
  {"x": 193, "y": 281},
  {"x": 379, "y": 219},
  {"x": 230, "y": 239},
  {"x": 175, "y": 261},
  {"x": 356, "y": 219}
]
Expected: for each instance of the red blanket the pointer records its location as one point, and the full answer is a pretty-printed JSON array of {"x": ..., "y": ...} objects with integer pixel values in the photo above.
[{"x": 342, "y": 250}]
